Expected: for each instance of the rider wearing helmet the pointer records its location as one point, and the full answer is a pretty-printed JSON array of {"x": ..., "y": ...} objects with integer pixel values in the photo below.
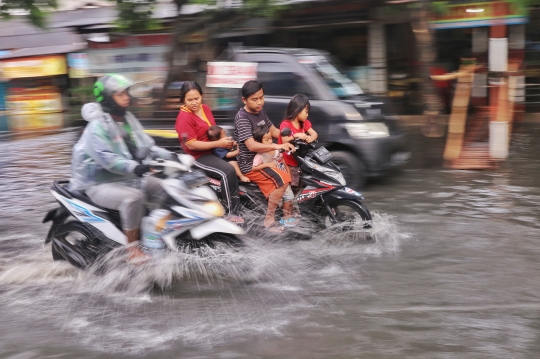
[{"x": 108, "y": 160}]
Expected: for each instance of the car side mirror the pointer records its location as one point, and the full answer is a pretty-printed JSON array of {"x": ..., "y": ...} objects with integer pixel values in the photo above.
[{"x": 286, "y": 132}]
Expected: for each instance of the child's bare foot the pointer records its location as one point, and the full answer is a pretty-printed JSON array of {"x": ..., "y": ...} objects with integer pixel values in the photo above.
[
  {"x": 274, "y": 227},
  {"x": 136, "y": 256},
  {"x": 244, "y": 179}
]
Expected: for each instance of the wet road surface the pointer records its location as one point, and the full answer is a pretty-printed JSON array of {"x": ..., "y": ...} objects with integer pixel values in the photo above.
[{"x": 453, "y": 274}]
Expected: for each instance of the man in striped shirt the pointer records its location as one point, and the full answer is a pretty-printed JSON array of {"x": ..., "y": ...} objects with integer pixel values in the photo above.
[{"x": 271, "y": 181}]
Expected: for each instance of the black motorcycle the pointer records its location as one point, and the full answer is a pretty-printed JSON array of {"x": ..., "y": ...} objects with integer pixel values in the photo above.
[{"x": 322, "y": 197}]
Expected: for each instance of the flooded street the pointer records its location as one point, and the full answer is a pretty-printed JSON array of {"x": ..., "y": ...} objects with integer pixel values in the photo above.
[{"x": 451, "y": 275}]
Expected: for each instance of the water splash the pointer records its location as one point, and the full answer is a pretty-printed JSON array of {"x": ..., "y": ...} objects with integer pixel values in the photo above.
[{"x": 197, "y": 299}]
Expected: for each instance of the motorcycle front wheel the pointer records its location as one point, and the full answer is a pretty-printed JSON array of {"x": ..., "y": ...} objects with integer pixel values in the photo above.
[
  {"x": 214, "y": 241},
  {"x": 348, "y": 217},
  {"x": 220, "y": 240}
]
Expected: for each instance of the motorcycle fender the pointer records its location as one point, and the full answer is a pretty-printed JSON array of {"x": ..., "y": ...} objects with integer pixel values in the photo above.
[
  {"x": 84, "y": 212},
  {"x": 218, "y": 225},
  {"x": 57, "y": 216},
  {"x": 342, "y": 193},
  {"x": 50, "y": 215},
  {"x": 170, "y": 238}
]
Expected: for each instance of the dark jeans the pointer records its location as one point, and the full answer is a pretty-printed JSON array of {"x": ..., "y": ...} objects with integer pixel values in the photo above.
[{"x": 219, "y": 169}]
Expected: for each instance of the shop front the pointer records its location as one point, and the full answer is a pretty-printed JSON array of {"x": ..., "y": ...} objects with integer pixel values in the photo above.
[
  {"x": 33, "y": 92},
  {"x": 141, "y": 58},
  {"x": 482, "y": 43}
]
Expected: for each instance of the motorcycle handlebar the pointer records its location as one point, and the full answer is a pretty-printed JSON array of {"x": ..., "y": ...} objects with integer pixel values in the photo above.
[{"x": 298, "y": 141}]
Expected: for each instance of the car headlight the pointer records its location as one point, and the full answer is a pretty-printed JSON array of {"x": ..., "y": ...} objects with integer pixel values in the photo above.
[
  {"x": 367, "y": 130},
  {"x": 213, "y": 208},
  {"x": 338, "y": 176}
]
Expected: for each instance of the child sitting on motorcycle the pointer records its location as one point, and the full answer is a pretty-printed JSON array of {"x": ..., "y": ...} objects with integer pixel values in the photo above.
[
  {"x": 274, "y": 158},
  {"x": 296, "y": 116},
  {"x": 216, "y": 133}
]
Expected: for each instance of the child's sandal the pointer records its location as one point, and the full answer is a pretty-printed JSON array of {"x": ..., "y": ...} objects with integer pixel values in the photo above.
[{"x": 291, "y": 222}]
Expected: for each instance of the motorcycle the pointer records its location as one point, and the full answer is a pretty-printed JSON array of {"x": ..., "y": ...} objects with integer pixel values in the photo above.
[
  {"x": 322, "y": 198},
  {"x": 82, "y": 231}
]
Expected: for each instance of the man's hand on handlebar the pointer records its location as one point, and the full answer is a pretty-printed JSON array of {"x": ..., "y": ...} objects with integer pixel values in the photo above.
[
  {"x": 289, "y": 147},
  {"x": 140, "y": 170}
]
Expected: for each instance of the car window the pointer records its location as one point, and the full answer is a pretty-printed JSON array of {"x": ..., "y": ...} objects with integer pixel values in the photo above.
[
  {"x": 340, "y": 84},
  {"x": 278, "y": 80}
]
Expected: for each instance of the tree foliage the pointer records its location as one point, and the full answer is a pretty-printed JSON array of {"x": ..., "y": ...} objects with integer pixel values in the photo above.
[
  {"x": 35, "y": 9},
  {"x": 135, "y": 16},
  {"x": 260, "y": 8}
]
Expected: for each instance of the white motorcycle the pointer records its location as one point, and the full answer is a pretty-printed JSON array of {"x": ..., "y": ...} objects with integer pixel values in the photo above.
[{"x": 190, "y": 217}]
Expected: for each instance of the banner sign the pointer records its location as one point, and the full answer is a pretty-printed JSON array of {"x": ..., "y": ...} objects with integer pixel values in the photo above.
[
  {"x": 476, "y": 14},
  {"x": 142, "y": 40},
  {"x": 230, "y": 74},
  {"x": 148, "y": 60},
  {"x": 36, "y": 121},
  {"x": 34, "y": 67},
  {"x": 34, "y": 101}
]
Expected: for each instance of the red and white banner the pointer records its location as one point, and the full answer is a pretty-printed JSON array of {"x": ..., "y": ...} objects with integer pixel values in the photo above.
[{"x": 230, "y": 74}]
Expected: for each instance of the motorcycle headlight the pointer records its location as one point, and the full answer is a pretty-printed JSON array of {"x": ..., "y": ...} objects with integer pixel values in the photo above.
[
  {"x": 213, "y": 209},
  {"x": 337, "y": 176},
  {"x": 367, "y": 130}
]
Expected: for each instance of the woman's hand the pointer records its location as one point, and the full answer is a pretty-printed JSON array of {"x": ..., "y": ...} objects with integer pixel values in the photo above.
[
  {"x": 225, "y": 142},
  {"x": 308, "y": 139}
]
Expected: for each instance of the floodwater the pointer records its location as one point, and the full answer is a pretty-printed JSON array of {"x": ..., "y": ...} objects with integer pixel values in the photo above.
[{"x": 453, "y": 274}]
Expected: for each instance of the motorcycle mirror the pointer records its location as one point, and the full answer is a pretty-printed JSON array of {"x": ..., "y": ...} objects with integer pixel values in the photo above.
[{"x": 286, "y": 132}]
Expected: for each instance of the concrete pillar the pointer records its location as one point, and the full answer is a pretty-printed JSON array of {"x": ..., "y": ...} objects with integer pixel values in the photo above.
[
  {"x": 377, "y": 59},
  {"x": 498, "y": 65}
]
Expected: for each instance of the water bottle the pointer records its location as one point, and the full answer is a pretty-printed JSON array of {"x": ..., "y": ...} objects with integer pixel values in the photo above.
[{"x": 152, "y": 225}]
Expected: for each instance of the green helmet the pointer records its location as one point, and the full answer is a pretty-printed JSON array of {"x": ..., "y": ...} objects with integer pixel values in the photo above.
[{"x": 108, "y": 85}]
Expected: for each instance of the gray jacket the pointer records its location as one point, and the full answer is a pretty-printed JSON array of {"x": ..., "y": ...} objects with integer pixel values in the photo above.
[{"x": 101, "y": 154}]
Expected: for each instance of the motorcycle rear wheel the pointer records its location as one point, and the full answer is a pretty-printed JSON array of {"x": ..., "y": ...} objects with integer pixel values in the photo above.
[{"x": 77, "y": 244}]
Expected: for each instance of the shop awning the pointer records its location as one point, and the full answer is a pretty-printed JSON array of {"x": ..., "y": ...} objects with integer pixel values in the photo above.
[
  {"x": 23, "y": 40},
  {"x": 467, "y": 14},
  {"x": 46, "y": 50}
]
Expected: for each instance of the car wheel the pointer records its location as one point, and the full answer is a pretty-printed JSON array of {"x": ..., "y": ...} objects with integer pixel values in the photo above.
[{"x": 352, "y": 168}]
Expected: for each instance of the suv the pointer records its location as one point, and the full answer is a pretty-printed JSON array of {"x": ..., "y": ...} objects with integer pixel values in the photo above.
[{"x": 363, "y": 136}]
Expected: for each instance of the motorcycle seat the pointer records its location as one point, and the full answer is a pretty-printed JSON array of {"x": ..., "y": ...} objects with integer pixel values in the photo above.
[{"x": 80, "y": 195}]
